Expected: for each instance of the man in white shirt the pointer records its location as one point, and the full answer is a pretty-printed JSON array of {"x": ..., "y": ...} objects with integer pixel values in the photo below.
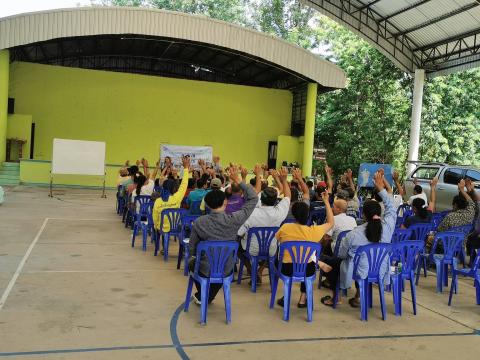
[
  {"x": 268, "y": 214},
  {"x": 343, "y": 222},
  {"x": 418, "y": 193}
]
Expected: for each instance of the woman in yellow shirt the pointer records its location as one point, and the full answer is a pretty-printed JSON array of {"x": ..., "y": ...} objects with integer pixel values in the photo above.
[{"x": 299, "y": 231}]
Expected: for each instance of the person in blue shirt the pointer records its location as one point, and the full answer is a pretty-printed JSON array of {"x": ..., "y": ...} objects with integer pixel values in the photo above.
[
  {"x": 194, "y": 199},
  {"x": 374, "y": 230}
]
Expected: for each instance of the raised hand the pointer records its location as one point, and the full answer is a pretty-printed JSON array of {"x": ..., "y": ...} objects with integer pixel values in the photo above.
[
  {"x": 434, "y": 182},
  {"x": 257, "y": 170},
  {"x": 244, "y": 172},
  {"x": 328, "y": 170},
  {"x": 461, "y": 185},
  {"x": 379, "y": 181},
  {"x": 297, "y": 174},
  {"x": 396, "y": 176},
  {"x": 186, "y": 162},
  {"x": 325, "y": 197},
  {"x": 349, "y": 174},
  {"x": 469, "y": 184},
  {"x": 283, "y": 173},
  {"x": 234, "y": 174}
]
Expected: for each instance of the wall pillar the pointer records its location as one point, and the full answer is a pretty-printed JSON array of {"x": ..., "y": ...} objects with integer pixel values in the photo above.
[
  {"x": 4, "y": 73},
  {"x": 310, "y": 113},
  {"x": 416, "y": 117}
]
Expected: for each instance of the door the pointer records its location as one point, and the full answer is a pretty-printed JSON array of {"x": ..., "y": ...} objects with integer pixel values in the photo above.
[
  {"x": 447, "y": 187},
  {"x": 272, "y": 154}
]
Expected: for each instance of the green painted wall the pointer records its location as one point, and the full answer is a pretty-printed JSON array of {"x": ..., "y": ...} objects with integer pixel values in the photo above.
[
  {"x": 289, "y": 149},
  {"x": 19, "y": 127},
  {"x": 4, "y": 73},
  {"x": 134, "y": 114}
]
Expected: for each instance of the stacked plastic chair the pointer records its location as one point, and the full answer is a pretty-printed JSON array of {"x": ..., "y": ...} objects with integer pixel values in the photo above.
[
  {"x": 264, "y": 236},
  {"x": 218, "y": 254}
]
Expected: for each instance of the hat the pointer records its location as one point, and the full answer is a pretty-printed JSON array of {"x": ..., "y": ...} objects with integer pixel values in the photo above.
[
  {"x": 322, "y": 183},
  {"x": 216, "y": 183}
]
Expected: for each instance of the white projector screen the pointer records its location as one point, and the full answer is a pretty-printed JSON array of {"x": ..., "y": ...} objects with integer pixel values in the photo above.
[{"x": 78, "y": 157}]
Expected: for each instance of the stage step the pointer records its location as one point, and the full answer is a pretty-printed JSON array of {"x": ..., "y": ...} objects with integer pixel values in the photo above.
[{"x": 10, "y": 174}]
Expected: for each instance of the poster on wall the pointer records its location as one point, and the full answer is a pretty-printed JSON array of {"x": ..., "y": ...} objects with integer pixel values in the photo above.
[
  {"x": 367, "y": 170},
  {"x": 175, "y": 152}
]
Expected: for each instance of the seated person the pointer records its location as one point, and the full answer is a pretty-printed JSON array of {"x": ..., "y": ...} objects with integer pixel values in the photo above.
[
  {"x": 463, "y": 212},
  {"x": 235, "y": 198},
  {"x": 417, "y": 193},
  {"x": 421, "y": 212},
  {"x": 171, "y": 197},
  {"x": 219, "y": 226},
  {"x": 343, "y": 222},
  {"x": 269, "y": 213},
  {"x": 196, "y": 196},
  {"x": 299, "y": 231},
  {"x": 473, "y": 241},
  {"x": 145, "y": 183},
  {"x": 374, "y": 230}
]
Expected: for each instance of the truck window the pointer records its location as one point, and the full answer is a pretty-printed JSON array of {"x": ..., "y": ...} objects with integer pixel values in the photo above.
[
  {"x": 452, "y": 176},
  {"x": 473, "y": 175},
  {"x": 425, "y": 173}
]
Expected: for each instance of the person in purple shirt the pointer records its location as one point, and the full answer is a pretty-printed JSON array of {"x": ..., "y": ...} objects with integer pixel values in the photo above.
[{"x": 235, "y": 199}]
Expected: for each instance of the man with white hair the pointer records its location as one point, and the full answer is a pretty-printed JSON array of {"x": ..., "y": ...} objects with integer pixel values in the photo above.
[{"x": 343, "y": 222}]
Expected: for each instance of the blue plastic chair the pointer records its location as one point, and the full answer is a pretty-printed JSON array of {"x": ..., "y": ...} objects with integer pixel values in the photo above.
[
  {"x": 420, "y": 231},
  {"x": 400, "y": 235},
  {"x": 375, "y": 255},
  {"x": 218, "y": 254},
  {"x": 141, "y": 213},
  {"x": 174, "y": 218},
  {"x": 466, "y": 230},
  {"x": 120, "y": 200},
  {"x": 317, "y": 217},
  {"x": 407, "y": 253},
  {"x": 300, "y": 253},
  {"x": 403, "y": 211},
  {"x": 473, "y": 272},
  {"x": 336, "y": 249},
  {"x": 452, "y": 243},
  {"x": 264, "y": 236},
  {"x": 187, "y": 223}
]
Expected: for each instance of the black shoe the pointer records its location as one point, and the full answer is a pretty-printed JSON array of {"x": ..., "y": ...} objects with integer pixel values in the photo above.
[
  {"x": 280, "y": 302},
  {"x": 302, "y": 306}
]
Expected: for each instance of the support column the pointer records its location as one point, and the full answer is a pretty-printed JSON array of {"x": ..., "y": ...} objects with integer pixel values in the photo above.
[
  {"x": 310, "y": 112},
  {"x": 416, "y": 117},
  {"x": 4, "y": 73}
]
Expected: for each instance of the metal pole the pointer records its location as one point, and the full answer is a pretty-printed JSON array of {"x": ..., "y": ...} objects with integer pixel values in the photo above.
[
  {"x": 104, "y": 196},
  {"x": 311, "y": 108},
  {"x": 416, "y": 117},
  {"x": 51, "y": 184}
]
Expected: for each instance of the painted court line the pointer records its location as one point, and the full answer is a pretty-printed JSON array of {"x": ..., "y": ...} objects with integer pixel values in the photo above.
[
  {"x": 228, "y": 343},
  {"x": 14, "y": 278}
]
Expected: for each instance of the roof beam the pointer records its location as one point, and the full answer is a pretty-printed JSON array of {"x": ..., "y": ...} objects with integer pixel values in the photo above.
[
  {"x": 449, "y": 40},
  {"x": 366, "y": 6},
  {"x": 438, "y": 19},
  {"x": 405, "y": 9}
]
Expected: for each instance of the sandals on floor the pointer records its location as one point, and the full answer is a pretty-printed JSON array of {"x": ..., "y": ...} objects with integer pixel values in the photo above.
[
  {"x": 324, "y": 300},
  {"x": 353, "y": 303}
]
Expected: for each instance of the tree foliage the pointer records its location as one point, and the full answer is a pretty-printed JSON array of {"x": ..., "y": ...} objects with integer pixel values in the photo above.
[{"x": 369, "y": 120}]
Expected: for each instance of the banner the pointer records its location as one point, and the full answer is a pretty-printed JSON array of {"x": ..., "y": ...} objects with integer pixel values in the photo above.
[
  {"x": 175, "y": 152},
  {"x": 366, "y": 172}
]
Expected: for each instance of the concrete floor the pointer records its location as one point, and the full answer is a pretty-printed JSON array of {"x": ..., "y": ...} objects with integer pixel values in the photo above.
[{"x": 84, "y": 293}]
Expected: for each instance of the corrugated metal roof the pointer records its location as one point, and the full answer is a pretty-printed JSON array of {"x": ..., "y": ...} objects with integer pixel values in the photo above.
[
  {"x": 42, "y": 26},
  {"x": 440, "y": 36}
]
